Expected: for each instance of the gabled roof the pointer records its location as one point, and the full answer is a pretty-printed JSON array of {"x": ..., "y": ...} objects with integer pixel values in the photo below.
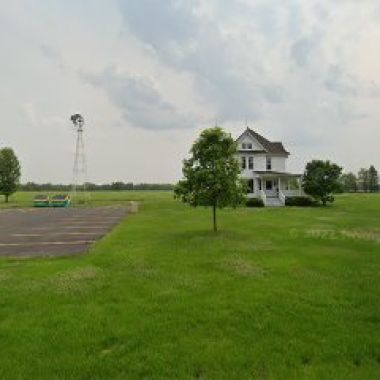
[{"x": 270, "y": 147}]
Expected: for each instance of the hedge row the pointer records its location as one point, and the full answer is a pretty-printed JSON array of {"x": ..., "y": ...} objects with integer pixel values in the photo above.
[
  {"x": 254, "y": 202},
  {"x": 289, "y": 201},
  {"x": 299, "y": 201}
]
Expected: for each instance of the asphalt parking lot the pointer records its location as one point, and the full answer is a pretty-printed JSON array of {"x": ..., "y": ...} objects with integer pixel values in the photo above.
[{"x": 54, "y": 231}]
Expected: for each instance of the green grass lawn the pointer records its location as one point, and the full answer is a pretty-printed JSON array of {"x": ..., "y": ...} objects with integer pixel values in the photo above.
[{"x": 276, "y": 294}]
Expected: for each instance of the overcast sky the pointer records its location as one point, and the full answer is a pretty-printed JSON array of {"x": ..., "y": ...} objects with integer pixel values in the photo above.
[{"x": 148, "y": 75}]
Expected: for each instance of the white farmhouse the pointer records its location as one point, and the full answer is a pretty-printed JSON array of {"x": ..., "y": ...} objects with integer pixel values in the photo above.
[{"x": 263, "y": 165}]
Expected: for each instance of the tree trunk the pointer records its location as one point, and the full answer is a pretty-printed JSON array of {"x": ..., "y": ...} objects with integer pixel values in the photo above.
[
  {"x": 214, "y": 217},
  {"x": 6, "y": 198}
]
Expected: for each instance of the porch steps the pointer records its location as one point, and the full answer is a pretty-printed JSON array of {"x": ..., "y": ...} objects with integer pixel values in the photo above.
[{"x": 273, "y": 202}]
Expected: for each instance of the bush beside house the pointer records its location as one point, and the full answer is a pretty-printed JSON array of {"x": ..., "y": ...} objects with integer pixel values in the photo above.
[
  {"x": 254, "y": 202},
  {"x": 299, "y": 201}
]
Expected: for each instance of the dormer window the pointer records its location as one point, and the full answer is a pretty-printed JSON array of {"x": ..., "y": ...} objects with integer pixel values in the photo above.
[
  {"x": 269, "y": 163},
  {"x": 246, "y": 146}
]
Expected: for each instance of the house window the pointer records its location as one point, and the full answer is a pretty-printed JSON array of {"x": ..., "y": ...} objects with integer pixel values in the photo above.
[
  {"x": 269, "y": 185},
  {"x": 249, "y": 146},
  {"x": 250, "y": 162},
  {"x": 243, "y": 163},
  {"x": 269, "y": 163},
  {"x": 246, "y": 146}
]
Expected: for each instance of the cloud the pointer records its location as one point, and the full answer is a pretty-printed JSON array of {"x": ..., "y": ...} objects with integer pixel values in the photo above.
[
  {"x": 139, "y": 101},
  {"x": 53, "y": 55},
  {"x": 160, "y": 23},
  {"x": 302, "y": 71},
  {"x": 263, "y": 61},
  {"x": 302, "y": 49},
  {"x": 188, "y": 41},
  {"x": 337, "y": 81},
  {"x": 345, "y": 84}
]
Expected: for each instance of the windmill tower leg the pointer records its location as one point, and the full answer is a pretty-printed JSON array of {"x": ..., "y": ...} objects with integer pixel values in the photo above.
[
  {"x": 80, "y": 165},
  {"x": 76, "y": 165},
  {"x": 82, "y": 160}
]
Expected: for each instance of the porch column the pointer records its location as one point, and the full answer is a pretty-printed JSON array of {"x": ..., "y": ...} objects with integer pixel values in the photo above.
[
  {"x": 256, "y": 187},
  {"x": 279, "y": 183}
]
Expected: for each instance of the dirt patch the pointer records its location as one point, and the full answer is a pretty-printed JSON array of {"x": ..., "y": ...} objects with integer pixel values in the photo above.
[
  {"x": 260, "y": 246},
  {"x": 3, "y": 276},
  {"x": 75, "y": 280},
  {"x": 325, "y": 218},
  {"x": 241, "y": 267}
]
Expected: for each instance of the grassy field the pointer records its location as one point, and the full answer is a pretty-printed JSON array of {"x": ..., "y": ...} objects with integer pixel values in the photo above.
[{"x": 276, "y": 294}]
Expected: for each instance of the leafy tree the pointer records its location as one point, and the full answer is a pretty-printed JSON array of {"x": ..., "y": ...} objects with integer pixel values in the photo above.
[
  {"x": 211, "y": 174},
  {"x": 363, "y": 179},
  {"x": 293, "y": 184},
  {"x": 10, "y": 172},
  {"x": 118, "y": 185},
  {"x": 349, "y": 182},
  {"x": 321, "y": 180},
  {"x": 373, "y": 179}
]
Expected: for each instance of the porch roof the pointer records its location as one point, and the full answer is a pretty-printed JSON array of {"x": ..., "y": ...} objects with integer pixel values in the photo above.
[{"x": 266, "y": 174}]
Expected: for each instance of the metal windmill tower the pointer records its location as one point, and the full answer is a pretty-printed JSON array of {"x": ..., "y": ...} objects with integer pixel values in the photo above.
[{"x": 80, "y": 165}]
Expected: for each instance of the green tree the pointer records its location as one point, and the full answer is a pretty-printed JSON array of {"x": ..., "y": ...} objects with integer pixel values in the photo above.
[
  {"x": 211, "y": 174},
  {"x": 321, "y": 180},
  {"x": 373, "y": 179},
  {"x": 117, "y": 186},
  {"x": 349, "y": 182},
  {"x": 10, "y": 172},
  {"x": 363, "y": 179}
]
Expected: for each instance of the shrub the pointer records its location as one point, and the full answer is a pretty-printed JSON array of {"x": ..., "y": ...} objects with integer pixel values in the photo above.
[
  {"x": 254, "y": 202},
  {"x": 298, "y": 201}
]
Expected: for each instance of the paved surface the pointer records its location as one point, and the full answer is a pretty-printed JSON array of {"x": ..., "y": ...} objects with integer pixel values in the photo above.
[{"x": 54, "y": 231}]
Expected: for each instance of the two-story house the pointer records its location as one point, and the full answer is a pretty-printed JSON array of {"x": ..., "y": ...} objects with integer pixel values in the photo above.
[{"x": 263, "y": 165}]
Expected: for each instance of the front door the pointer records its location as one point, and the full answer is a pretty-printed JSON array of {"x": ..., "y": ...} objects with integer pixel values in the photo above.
[{"x": 271, "y": 186}]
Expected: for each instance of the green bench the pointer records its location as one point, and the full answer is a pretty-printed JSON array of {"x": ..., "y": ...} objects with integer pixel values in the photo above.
[
  {"x": 60, "y": 200},
  {"x": 41, "y": 200}
]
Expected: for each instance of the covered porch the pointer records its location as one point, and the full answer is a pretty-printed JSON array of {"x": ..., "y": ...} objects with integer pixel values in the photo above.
[{"x": 275, "y": 185}]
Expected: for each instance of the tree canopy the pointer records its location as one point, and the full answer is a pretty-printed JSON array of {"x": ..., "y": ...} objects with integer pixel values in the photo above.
[
  {"x": 349, "y": 182},
  {"x": 321, "y": 180},
  {"x": 10, "y": 172},
  {"x": 373, "y": 179},
  {"x": 363, "y": 179},
  {"x": 211, "y": 174}
]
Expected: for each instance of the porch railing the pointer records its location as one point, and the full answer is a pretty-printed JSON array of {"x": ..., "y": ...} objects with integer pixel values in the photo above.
[
  {"x": 292, "y": 193},
  {"x": 281, "y": 196},
  {"x": 263, "y": 196}
]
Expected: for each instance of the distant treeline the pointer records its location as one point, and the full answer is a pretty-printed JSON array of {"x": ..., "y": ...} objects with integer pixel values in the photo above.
[
  {"x": 114, "y": 186},
  {"x": 367, "y": 180}
]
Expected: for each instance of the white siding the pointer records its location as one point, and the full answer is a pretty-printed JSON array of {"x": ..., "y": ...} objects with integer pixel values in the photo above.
[
  {"x": 278, "y": 164},
  {"x": 247, "y": 138},
  {"x": 259, "y": 159},
  {"x": 260, "y": 163}
]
